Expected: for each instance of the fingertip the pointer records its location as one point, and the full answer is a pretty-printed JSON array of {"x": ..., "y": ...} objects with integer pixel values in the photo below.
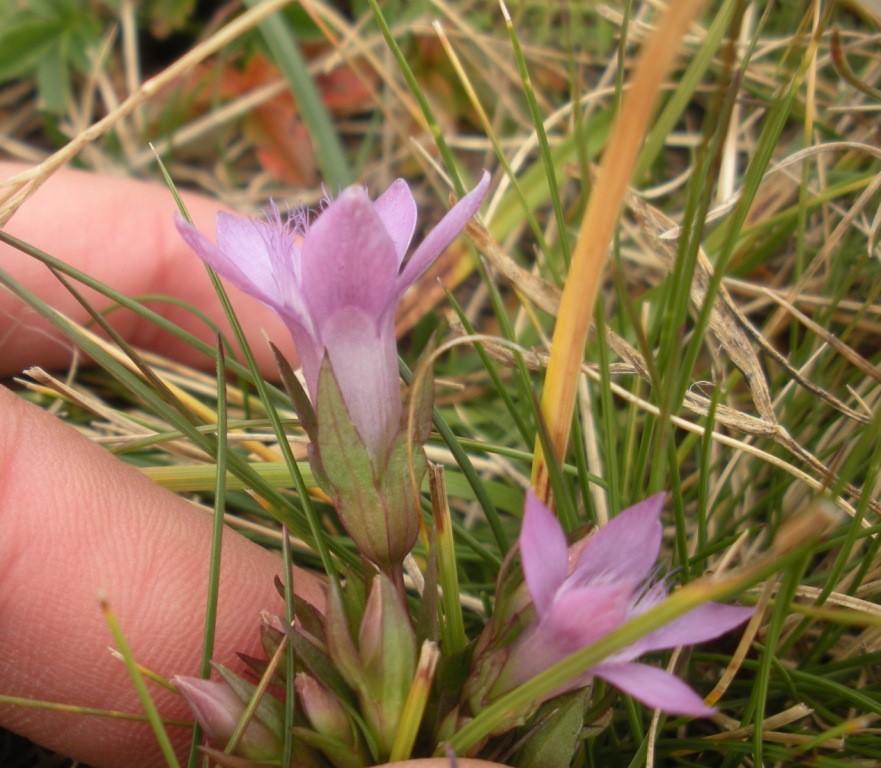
[
  {"x": 76, "y": 520},
  {"x": 122, "y": 232}
]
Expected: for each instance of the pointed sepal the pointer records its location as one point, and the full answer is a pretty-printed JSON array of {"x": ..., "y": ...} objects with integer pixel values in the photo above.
[{"x": 299, "y": 399}]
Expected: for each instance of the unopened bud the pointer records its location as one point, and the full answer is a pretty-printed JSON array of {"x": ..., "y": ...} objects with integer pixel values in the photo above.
[
  {"x": 323, "y": 709},
  {"x": 219, "y": 710}
]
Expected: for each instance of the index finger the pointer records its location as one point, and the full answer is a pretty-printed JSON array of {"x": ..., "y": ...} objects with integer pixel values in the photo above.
[{"x": 120, "y": 231}]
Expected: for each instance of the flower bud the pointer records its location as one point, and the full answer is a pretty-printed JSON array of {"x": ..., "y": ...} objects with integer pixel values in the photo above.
[
  {"x": 323, "y": 710},
  {"x": 387, "y": 646},
  {"x": 219, "y": 710}
]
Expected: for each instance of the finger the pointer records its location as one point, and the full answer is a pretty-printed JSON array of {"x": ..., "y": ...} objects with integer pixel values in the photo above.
[
  {"x": 75, "y": 520},
  {"x": 120, "y": 231},
  {"x": 444, "y": 762}
]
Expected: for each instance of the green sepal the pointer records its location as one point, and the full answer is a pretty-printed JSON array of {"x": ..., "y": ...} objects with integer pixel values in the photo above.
[
  {"x": 555, "y": 732},
  {"x": 344, "y": 464},
  {"x": 340, "y": 754},
  {"x": 400, "y": 484},
  {"x": 320, "y": 667},
  {"x": 486, "y": 669},
  {"x": 220, "y": 758},
  {"x": 309, "y": 619},
  {"x": 340, "y": 645},
  {"x": 373, "y": 496},
  {"x": 270, "y": 711},
  {"x": 299, "y": 399},
  {"x": 420, "y": 399},
  {"x": 355, "y": 593}
]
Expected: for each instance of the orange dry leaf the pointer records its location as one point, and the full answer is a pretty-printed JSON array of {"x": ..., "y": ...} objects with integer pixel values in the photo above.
[{"x": 282, "y": 144}]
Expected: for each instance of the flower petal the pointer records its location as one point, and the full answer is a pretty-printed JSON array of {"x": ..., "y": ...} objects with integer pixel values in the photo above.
[
  {"x": 542, "y": 553},
  {"x": 580, "y": 616},
  {"x": 218, "y": 710},
  {"x": 576, "y": 619},
  {"x": 348, "y": 260},
  {"x": 396, "y": 209},
  {"x": 243, "y": 259},
  {"x": 655, "y": 688},
  {"x": 706, "y": 622},
  {"x": 365, "y": 363},
  {"x": 626, "y": 548},
  {"x": 442, "y": 235},
  {"x": 268, "y": 245}
]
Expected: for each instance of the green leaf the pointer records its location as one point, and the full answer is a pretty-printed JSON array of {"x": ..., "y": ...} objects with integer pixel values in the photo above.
[
  {"x": 421, "y": 397},
  {"x": 286, "y": 54},
  {"x": 554, "y": 735},
  {"x": 23, "y": 44},
  {"x": 427, "y": 625},
  {"x": 53, "y": 81},
  {"x": 168, "y": 16},
  {"x": 340, "y": 754}
]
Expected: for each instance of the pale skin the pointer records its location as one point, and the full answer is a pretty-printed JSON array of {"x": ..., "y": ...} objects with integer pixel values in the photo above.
[{"x": 76, "y": 521}]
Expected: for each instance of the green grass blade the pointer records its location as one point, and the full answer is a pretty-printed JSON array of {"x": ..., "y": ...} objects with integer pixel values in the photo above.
[{"x": 329, "y": 152}]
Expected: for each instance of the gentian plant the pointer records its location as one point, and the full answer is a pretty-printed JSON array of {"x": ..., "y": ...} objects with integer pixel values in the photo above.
[{"x": 368, "y": 693}]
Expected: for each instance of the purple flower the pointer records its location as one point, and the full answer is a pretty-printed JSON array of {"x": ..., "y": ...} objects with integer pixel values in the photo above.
[
  {"x": 336, "y": 281},
  {"x": 610, "y": 582}
]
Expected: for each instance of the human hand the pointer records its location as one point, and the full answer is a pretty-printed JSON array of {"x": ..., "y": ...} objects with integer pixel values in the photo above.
[{"x": 75, "y": 520}]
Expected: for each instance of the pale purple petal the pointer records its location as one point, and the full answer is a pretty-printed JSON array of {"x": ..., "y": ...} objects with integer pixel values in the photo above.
[
  {"x": 706, "y": 622},
  {"x": 396, "y": 209},
  {"x": 218, "y": 710},
  {"x": 542, "y": 552},
  {"x": 442, "y": 235},
  {"x": 365, "y": 364},
  {"x": 249, "y": 269},
  {"x": 581, "y": 615},
  {"x": 576, "y": 619},
  {"x": 624, "y": 549},
  {"x": 655, "y": 688},
  {"x": 348, "y": 260},
  {"x": 214, "y": 704},
  {"x": 310, "y": 350},
  {"x": 262, "y": 247}
]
